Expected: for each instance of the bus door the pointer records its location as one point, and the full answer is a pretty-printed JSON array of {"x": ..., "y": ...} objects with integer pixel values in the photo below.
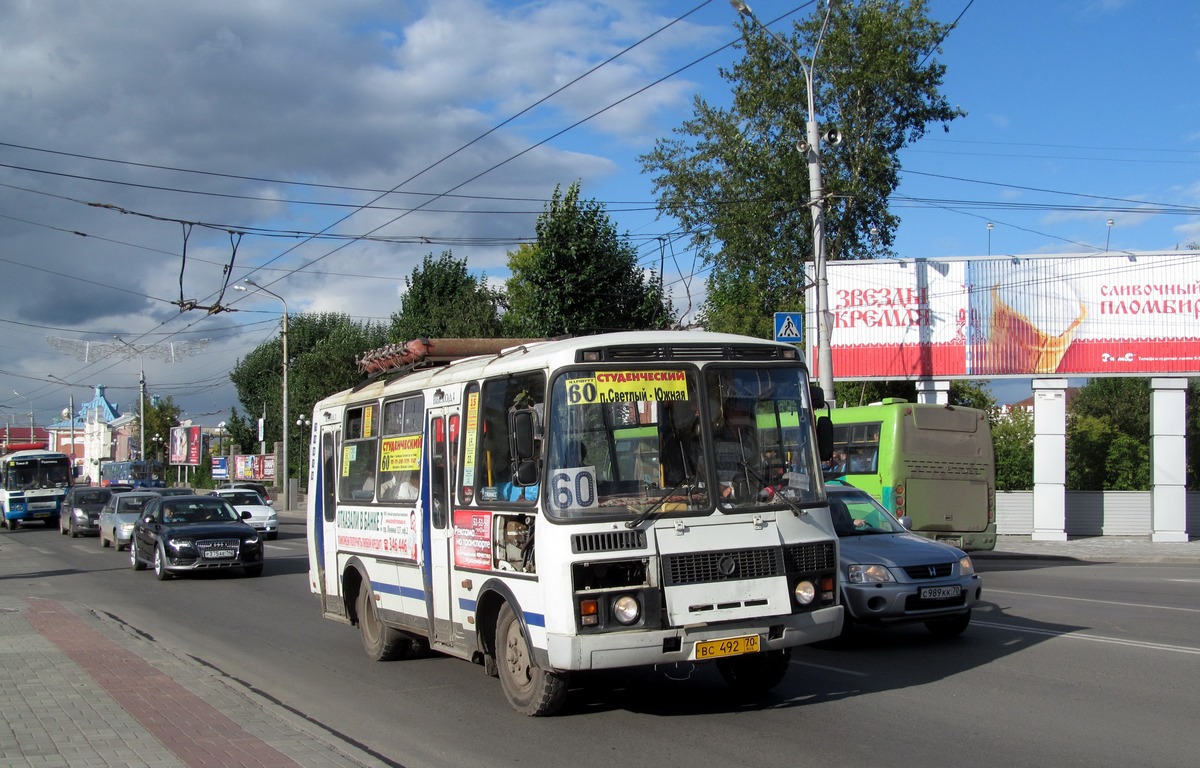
[
  {"x": 437, "y": 540},
  {"x": 324, "y": 491}
]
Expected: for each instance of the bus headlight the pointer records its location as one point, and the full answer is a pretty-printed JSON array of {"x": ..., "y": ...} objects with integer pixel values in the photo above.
[
  {"x": 805, "y": 591},
  {"x": 625, "y": 609},
  {"x": 869, "y": 574}
]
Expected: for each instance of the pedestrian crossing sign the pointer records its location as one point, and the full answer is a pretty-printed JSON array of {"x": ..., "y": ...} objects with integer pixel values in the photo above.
[{"x": 789, "y": 327}]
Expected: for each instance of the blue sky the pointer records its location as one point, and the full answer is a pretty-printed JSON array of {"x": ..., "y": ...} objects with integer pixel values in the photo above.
[{"x": 124, "y": 122}]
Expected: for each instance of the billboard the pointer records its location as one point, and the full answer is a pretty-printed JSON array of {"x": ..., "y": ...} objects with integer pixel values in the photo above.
[
  {"x": 1067, "y": 315},
  {"x": 185, "y": 446}
]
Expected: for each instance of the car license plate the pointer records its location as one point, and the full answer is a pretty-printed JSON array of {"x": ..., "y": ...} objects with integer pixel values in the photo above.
[
  {"x": 941, "y": 593},
  {"x": 218, "y": 553},
  {"x": 730, "y": 646}
]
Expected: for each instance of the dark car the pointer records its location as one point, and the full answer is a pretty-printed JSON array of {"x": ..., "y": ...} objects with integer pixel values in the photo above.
[
  {"x": 177, "y": 534},
  {"x": 890, "y": 575},
  {"x": 81, "y": 510}
]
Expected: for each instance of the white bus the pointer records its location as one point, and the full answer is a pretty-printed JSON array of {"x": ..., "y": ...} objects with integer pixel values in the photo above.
[
  {"x": 32, "y": 486},
  {"x": 576, "y": 505}
]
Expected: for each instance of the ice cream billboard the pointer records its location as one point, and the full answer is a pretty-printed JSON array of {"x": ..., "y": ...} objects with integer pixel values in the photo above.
[{"x": 1075, "y": 315}]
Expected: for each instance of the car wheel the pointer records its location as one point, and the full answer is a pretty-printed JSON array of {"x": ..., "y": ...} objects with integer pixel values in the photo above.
[
  {"x": 62, "y": 529},
  {"x": 134, "y": 562},
  {"x": 160, "y": 564},
  {"x": 103, "y": 541},
  {"x": 951, "y": 627},
  {"x": 381, "y": 642},
  {"x": 71, "y": 526},
  {"x": 755, "y": 674},
  {"x": 530, "y": 689}
]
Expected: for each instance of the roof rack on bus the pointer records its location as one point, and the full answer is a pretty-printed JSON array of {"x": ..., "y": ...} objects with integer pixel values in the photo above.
[{"x": 419, "y": 353}]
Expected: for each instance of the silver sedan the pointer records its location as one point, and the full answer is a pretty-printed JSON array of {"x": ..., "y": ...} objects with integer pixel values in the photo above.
[{"x": 119, "y": 515}]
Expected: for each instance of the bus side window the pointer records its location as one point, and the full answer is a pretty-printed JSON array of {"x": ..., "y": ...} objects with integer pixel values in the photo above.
[{"x": 494, "y": 479}]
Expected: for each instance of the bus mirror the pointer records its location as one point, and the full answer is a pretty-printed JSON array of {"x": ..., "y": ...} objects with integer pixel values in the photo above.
[
  {"x": 825, "y": 437},
  {"x": 521, "y": 429},
  {"x": 818, "y": 396}
]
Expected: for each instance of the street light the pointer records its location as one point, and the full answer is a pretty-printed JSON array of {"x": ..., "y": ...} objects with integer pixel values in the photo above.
[
  {"x": 141, "y": 398},
  {"x": 303, "y": 423},
  {"x": 26, "y": 399},
  {"x": 284, "y": 420},
  {"x": 71, "y": 415},
  {"x": 816, "y": 201}
]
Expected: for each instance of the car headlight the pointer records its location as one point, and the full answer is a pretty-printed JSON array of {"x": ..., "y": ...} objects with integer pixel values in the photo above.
[
  {"x": 252, "y": 540},
  {"x": 625, "y": 609},
  {"x": 77, "y": 512},
  {"x": 869, "y": 574},
  {"x": 965, "y": 566},
  {"x": 126, "y": 529},
  {"x": 180, "y": 544}
]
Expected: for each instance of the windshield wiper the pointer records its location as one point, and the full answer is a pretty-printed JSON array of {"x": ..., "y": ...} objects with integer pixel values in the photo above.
[
  {"x": 775, "y": 494},
  {"x": 644, "y": 516}
]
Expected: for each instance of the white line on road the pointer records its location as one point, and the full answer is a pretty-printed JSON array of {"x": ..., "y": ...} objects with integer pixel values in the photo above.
[
  {"x": 1093, "y": 600},
  {"x": 1093, "y": 638}
]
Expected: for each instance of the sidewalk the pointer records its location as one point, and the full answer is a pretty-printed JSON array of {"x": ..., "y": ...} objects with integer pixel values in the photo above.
[
  {"x": 1104, "y": 549},
  {"x": 80, "y": 689}
]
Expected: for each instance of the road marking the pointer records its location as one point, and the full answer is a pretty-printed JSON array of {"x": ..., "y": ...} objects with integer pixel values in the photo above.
[
  {"x": 828, "y": 668},
  {"x": 1092, "y": 638},
  {"x": 1093, "y": 600}
]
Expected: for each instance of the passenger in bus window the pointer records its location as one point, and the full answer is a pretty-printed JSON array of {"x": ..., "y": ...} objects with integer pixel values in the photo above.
[
  {"x": 736, "y": 446},
  {"x": 398, "y": 486}
]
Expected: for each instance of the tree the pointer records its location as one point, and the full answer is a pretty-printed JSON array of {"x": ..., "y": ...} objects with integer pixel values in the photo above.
[
  {"x": 323, "y": 350},
  {"x": 1108, "y": 436},
  {"x": 161, "y": 415},
  {"x": 581, "y": 277},
  {"x": 739, "y": 187},
  {"x": 443, "y": 300},
  {"x": 1012, "y": 440},
  {"x": 965, "y": 393}
]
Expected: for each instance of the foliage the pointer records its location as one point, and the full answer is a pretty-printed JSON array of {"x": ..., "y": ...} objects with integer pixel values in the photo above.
[
  {"x": 964, "y": 393},
  {"x": 581, "y": 277},
  {"x": 323, "y": 348},
  {"x": 1108, "y": 436},
  {"x": 443, "y": 300},
  {"x": 1012, "y": 439},
  {"x": 161, "y": 415},
  {"x": 736, "y": 183}
]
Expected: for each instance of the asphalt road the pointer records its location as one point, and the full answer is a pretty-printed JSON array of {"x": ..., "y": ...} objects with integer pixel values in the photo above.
[{"x": 1065, "y": 665}]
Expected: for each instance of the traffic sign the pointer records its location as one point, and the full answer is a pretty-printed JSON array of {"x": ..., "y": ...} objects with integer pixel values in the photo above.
[{"x": 789, "y": 327}]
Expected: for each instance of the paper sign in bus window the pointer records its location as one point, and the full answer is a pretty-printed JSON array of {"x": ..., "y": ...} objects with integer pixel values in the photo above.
[
  {"x": 399, "y": 454},
  {"x": 573, "y": 489},
  {"x": 628, "y": 387}
]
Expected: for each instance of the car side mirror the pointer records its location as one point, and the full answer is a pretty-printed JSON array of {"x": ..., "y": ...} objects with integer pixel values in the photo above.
[
  {"x": 247, "y": 515},
  {"x": 906, "y": 521}
]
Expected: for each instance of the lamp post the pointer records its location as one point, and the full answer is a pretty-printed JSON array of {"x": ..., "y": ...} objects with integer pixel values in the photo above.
[
  {"x": 816, "y": 201},
  {"x": 71, "y": 416},
  {"x": 26, "y": 399},
  {"x": 284, "y": 420},
  {"x": 141, "y": 399},
  {"x": 303, "y": 423}
]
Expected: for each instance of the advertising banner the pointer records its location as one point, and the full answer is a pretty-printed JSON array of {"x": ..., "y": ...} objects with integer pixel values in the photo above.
[
  {"x": 185, "y": 446},
  {"x": 1076, "y": 315}
]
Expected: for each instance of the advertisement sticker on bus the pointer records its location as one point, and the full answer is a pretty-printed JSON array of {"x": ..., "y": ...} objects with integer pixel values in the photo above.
[
  {"x": 471, "y": 437},
  {"x": 399, "y": 454},
  {"x": 472, "y": 539},
  {"x": 387, "y": 532}
]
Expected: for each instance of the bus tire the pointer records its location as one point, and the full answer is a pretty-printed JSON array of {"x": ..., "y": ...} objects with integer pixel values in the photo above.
[
  {"x": 531, "y": 690},
  {"x": 381, "y": 642},
  {"x": 10, "y": 525},
  {"x": 951, "y": 627},
  {"x": 755, "y": 674}
]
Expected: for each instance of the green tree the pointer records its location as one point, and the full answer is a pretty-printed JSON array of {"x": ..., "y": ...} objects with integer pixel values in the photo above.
[
  {"x": 1012, "y": 439},
  {"x": 1108, "y": 436},
  {"x": 443, "y": 300},
  {"x": 964, "y": 393},
  {"x": 736, "y": 183},
  {"x": 581, "y": 277},
  {"x": 161, "y": 415},
  {"x": 323, "y": 349}
]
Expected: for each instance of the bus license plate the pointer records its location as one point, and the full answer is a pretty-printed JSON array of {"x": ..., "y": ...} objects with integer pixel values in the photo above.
[
  {"x": 941, "y": 593},
  {"x": 730, "y": 646},
  {"x": 218, "y": 553}
]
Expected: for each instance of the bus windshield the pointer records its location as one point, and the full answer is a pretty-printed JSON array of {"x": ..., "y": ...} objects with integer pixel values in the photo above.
[
  {"x": 629, "y": 442},
  {"x": 27, "y": 474}
]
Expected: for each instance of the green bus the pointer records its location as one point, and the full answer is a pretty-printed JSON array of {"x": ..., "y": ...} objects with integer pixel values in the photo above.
[{"x": 932, "y": 463}]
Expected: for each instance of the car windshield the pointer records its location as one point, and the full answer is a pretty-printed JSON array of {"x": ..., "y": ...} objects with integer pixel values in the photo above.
[
  {"x": 93, "y": 496},
  {"x": 199, "y": 511},
  {"x": 243, "y": 498},
  {"x": 133, "y": 504},
  {"x": 856, "y": 513}
]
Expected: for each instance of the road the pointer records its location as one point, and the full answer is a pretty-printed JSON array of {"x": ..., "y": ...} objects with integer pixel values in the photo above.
[{"x": 1064, "y": 665}]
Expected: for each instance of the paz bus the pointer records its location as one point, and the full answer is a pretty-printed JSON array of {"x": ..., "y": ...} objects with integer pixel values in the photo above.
[
  {"x": 32, "y": 486},
  {"x": 545, "y": 507},
  {"x": 932, "y": 463}
]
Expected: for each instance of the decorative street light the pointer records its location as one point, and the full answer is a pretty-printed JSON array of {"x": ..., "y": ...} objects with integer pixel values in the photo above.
[
  {"x": 284, "y": 421},
  {"x": 303, "y": 423},
  {"x": 816, "y": 194}
]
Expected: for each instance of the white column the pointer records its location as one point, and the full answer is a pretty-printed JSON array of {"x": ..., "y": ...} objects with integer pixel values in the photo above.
[
  {"x": 1050, "y": 459},
  {"x": 931, "y": 391},
  {"x": 1168, "y": 459}
]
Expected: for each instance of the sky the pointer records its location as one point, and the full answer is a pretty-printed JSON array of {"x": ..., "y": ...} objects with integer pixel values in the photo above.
[{"x": 153, "y": 155}]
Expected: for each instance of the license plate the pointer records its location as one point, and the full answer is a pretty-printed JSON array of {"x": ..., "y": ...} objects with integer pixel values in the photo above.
[
  {"x": 730, "y": 646},
  {"x": 218, "y": 553},
  {"x": 941, "y": 593},
  {"x": 954, "y": 541}
]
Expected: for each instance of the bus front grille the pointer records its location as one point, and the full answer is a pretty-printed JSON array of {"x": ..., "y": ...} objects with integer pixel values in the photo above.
[
  {"x": 608, "y": 541},
  {"x": 809, "y": 558},
  {"x": 730, "y": 565}
]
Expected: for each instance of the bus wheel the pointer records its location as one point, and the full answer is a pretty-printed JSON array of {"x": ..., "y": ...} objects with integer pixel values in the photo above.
[
  {"x": 381, "y": 642},
  {"x": 951, "y": 627},
  {"x": 754, "y": 674},
  {"x": 10, "y": 524},
  {"x": 530, "y": 689}
]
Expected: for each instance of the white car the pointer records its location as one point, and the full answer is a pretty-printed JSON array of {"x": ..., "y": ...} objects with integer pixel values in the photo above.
[{"x": 262, "y": 515}]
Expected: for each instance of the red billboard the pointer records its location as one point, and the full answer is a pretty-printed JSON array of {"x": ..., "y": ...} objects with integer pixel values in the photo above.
[
  {"x": 1067, "y": 315},
  {"x": 185, "y": 446}
]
